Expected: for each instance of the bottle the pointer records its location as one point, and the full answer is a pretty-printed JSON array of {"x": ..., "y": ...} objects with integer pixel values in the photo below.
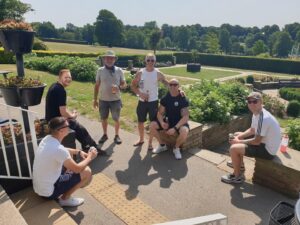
[
  {"x": 141, "y": 84},
  {"x": 147, "y": 98},
  {"x": 284, "y": 143}
]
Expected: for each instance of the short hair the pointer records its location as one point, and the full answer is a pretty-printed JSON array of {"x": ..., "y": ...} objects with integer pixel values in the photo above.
[
  {"x": 150, "y": 55},
  {"x": 61, "y": 72},
  {"x": 56, "y": 123}
]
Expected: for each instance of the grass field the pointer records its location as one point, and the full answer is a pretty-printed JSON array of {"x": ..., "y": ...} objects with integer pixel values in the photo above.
[
  {"x": 65, "y": 47},
  {"x": 204, "y": 74}
]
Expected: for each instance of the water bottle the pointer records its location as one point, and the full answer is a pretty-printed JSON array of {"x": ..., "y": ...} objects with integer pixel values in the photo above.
[
  {"x": 284, "y": 143},
  {"x": 141, "y": 84}
]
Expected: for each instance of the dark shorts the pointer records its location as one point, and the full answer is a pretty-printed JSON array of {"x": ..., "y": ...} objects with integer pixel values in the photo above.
[
  {"x": 144, "y": 108},
  {"x": 65, "y": 182},
  {"x": 160, "y": 127},
  {"x": 258, "y": 151},
  {"x": 113, "y": 106}
]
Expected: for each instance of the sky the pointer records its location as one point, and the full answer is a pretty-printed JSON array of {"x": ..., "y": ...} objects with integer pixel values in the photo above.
[{"x": 246, "y": 13}]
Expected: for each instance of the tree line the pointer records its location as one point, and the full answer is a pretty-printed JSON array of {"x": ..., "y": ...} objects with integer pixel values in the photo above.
[{"x": 108, "y": 30}]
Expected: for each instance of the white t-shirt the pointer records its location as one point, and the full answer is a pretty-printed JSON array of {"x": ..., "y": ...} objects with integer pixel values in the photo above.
[
  {"x": 47, "y": 165},
  {"x": 149, "y": 84},
  {"x": 266, "y": 125}
]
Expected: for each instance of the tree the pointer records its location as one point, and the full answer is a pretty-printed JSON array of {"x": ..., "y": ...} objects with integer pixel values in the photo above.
[
  {"x": 154, "y": 39},
  {"x": 212, "y": 42},
  {"x": 88, "y": 32},
  {"x": 13, "y": 9},
  {"x": 108, "y": 29},
  {"x": 224, "y": 40},
  {"x": 283, "y": 44},
  {"x": 259, "y": 47},
  {"x": 47, "y": 30}
]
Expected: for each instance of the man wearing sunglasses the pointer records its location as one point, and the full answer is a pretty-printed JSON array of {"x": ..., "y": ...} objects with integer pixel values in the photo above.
[
  {"x": 263, "y": 143},
  {"x": 145, "y": 85},
  {"x": 55, "y": 174},
  {"x": 172, "y": 119}
]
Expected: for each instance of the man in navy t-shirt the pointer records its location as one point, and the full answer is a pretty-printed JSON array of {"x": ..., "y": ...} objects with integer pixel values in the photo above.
[{"x": 172, "y": 119}]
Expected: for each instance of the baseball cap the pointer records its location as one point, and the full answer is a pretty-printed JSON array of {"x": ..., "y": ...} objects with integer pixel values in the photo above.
[
  {"x": 255, "y": 95},
  {"x": 109, "y": 53}
]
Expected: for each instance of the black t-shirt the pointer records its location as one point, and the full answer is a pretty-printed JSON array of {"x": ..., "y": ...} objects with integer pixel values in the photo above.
[
  {"x": 173, "y": 106},
  {"x": 55, "y": 98}
]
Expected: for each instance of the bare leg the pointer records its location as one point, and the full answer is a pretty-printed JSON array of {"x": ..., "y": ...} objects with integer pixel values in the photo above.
[
  {"x": 154, "y": 132},
  {"x": 237, "y": 151},
  {"x": 117, "y": 127},
  {"x": 104, "y": 126},
  {"x": 86, "y": 177},
  {"x": 183, "y": 133},
  {"x": 141, "y": 131}
]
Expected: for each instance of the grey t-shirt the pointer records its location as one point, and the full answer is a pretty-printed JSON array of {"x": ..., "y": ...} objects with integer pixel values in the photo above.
[{"x": 107, "y": 78}]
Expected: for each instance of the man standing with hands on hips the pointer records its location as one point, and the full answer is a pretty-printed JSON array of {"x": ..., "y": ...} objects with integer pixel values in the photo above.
[{"x": 109, "y": 80}]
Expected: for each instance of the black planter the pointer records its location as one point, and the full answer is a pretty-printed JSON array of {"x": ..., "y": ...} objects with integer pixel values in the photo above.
[
  {"x": 193, "y": 67},
  {"x": 17, "y": 41},
  {"x": 23, "y": 96}
]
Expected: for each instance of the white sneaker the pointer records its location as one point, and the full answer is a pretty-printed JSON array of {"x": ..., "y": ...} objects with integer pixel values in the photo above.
[
  {"x": 70, "y": 202},
  {"x": 160, "y": 149},
  {"x": 177, "y": 153}
]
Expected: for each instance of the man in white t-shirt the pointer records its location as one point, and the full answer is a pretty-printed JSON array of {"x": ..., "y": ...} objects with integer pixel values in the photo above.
[
  {"x": 264, "y": 144},
  {"x": 55, "y": 174}
]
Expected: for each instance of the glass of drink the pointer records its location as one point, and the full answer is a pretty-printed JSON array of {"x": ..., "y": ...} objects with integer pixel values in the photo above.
[{"x": 114, "y": 89}]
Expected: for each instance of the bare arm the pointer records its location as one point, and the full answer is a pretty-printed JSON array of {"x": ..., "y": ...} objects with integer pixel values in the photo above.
[
  {"x": 70, "y": 164},
  {"x": 135, "y": 83},
  {"x": 246, "y": 133},
  {"x": 184, "y": 117},
  {"x": 162, "y": 79},
  {"x": 96, "y": 91},
  {"x": 65, "y": 113},
  {"x": 160, "y": 117}
]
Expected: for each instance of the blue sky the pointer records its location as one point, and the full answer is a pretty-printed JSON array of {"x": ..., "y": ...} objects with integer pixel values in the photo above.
[{"x": 173, "y": 12}]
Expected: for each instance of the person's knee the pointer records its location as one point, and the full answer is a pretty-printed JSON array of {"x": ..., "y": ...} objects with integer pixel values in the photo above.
[
  {"x": 236, "y": 149},
  {"x": 86, "y": 174},
  {"x": 153, "y": 125},
  {"x": 183, "y": 132}
]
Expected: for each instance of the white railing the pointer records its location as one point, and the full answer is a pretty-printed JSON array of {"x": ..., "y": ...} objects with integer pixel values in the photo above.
[
  {"x": 9, "y": 114},
  {"x": 214, "y": 219}
]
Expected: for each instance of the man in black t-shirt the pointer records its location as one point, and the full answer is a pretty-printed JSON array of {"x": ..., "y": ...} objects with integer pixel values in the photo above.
[
  {"x": 56, "y": 105},
  {"x": 172, "y": 119}
]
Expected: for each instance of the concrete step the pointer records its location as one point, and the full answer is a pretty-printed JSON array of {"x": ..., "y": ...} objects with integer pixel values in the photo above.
[
  {"x": 36, "y": 210},
  {"x": 9, "y": 214}
]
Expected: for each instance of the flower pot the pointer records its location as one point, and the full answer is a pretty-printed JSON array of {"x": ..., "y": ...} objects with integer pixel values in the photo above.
[
  {"x": 28, "y": 96},
  {"x": 17, "y": 41},
  {"x": 193, "y": 67}
]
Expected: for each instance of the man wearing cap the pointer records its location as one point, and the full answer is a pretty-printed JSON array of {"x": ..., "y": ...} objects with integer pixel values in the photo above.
[
  {"x": 109, "y": 80},
  {"x": 172, "y": 119},
  {"x": 56, "y": 105},
  {"x": 55, "y": 174},
  {"x": 261, "y": 140}
]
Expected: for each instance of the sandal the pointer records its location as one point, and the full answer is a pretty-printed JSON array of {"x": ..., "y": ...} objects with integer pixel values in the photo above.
[{"x": 139, "y": 143}]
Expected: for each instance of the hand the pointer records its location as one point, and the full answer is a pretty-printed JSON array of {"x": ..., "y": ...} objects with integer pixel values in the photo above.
[
  {"x": 235, "y": 140},
  {"x": 83, "y": 154},
  {"x": 171, "y": 131},
  {"x": 144, "y": 96},
  {"x": 92, "y": 153},
  {"x": 182, "y": 93},
  {"x": 74, "y": 114},
  {"x": 164, "y": 125},
  {"x": 95, "y": 104}
]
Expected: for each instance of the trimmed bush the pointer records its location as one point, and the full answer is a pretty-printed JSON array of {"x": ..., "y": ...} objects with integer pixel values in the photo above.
[
  {"x": 6, "y": 58},
  {"x": 250, "y": 79},
  {"x": 293, "y": 130},
  {"x": 293, "y": 108},
  {"x": 39, "y": 45},
  {"x": 274, "y": 106},
  {"x": 290, "y": 93}
]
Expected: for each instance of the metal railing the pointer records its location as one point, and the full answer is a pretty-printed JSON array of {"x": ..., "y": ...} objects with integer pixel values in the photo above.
[{"x": 7, "y": 116}]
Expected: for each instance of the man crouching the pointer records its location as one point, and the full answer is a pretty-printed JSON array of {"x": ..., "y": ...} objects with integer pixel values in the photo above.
[{"x": 55, "y": 174}]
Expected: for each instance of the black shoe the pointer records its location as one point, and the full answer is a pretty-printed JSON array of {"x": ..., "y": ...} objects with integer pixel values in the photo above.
[
  {"x": 117, "y": 140},
  {"x": 103, "y": 139},
  {"x": 102, "y": 153}
]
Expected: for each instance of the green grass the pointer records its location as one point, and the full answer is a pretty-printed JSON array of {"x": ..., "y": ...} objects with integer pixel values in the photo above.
[
  {"x": 65, "y": 47},
  {"x": 204, "y": 74}
]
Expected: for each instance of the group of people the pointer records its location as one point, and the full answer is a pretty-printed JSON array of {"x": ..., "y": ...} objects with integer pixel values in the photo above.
[{"x": 56, "y": 175}]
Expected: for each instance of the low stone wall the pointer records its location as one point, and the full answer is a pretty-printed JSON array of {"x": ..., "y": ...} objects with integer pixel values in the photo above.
[
  {"x": 265, "y": 85},
  {"x": 281, "y": 174},
  {"x": 215, "y": 134}
]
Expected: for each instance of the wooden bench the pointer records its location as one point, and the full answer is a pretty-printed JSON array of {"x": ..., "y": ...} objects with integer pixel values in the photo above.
[
  {"x": 194, "y": 138},
  {"x": 281, "y": 174}
]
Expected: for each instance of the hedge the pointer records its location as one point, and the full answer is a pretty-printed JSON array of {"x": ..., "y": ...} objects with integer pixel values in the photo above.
[
  {"x": 64, "y": 41},
  {"x": 6, "y": 58},
  {"x": 242, "y": 62},
  {"x": 290, "y": 93}
]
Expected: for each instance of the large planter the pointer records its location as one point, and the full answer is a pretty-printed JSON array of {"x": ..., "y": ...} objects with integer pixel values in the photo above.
[
  {"x": 28, "y": 96},
  {"x": 17, "y": 41},
  {"x": 193, "y": 67}
]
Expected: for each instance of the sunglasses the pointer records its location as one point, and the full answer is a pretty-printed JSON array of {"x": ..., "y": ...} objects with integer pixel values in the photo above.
[
  {"x": 252, "y": 102},
  {"x": 63, "y": 127},
  {"x": 174, "y": 85},
  {"x": 150, "y": 60}
]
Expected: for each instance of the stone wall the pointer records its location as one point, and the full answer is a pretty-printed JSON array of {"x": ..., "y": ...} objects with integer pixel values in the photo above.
[
  {"x": 265, "y": 85},
  {"x": 215, "y": 134}
]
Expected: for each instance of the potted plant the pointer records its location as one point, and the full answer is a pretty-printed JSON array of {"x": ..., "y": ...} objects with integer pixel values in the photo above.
[
  {"x": 16, "y": 36},
  {"x": 193, "y": 67},
  {"x": 22, "y": 91}
]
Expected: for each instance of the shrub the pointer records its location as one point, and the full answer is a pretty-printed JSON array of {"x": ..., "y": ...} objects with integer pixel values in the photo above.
[
  {"x": 250, "y": 79},
  {"x": 274, "y": 106},
  {"x": 6, "y": 58},
  {"x": 240, "y": 80},
  {"x": 290, "y": 93},
  {"x": 293, "y": 108},
  {"x": 293, "y": 130},
  {"x": 39, "y": 45}
]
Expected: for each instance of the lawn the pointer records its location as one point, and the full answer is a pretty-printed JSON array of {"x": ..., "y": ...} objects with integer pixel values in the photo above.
[
  {"x": 65, "y": 47},
  {"x": 204, "y": 73}
]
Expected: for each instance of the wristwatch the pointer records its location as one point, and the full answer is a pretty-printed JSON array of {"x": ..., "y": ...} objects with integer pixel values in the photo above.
[{"x": 177, "y": 130}]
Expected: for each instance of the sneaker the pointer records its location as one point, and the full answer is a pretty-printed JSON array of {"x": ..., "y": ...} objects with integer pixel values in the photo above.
[
  {"x": 160, "y": 148},
  {"x": 177, "y": 153},
  {"x": 117, "y": 140},
  {"x": 103, "y": 139},
  {"x": 232, "y": 179},
  {"x": 229, "y": 163},
  {"x": 70, "y": 202}
]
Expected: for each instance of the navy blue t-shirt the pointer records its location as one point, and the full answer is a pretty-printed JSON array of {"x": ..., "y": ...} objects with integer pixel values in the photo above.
[
  {"x": 173, "y": 106},
  {"x": 55, "y": 98}
]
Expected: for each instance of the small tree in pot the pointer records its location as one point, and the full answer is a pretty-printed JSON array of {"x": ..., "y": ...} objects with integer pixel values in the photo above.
[{"x": 193, "y": 67}]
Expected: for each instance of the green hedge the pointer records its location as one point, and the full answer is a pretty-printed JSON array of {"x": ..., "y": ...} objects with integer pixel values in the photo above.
[
  {"x": 43, "y": 53},
  {"x": 6, "y": 58},
  {"x": 64, "y": 41},
  {"x": 81, "y": 69},
  {"x": 290, "y": 93},
  {"x": 242, "y": 62}
]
